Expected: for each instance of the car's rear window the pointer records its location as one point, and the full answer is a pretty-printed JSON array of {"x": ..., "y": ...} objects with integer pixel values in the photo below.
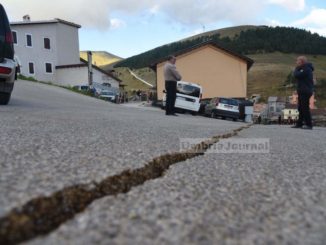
[
  {"x": 229, "y": 101},
  {"x": 188, "y": 90}
]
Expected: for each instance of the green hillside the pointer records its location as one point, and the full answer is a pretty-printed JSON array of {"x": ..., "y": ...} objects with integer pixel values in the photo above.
[
  {"x": 270, "y": 70},
  {"x": 230, "y": 32},
  {"x": 274, "y": 51},
  {"x": 101, "y": 58},
  {"x": 133, "y": 84}
]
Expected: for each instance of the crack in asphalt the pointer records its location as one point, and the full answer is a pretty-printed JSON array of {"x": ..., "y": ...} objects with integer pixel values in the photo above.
[{"x": 42, "y": 215}]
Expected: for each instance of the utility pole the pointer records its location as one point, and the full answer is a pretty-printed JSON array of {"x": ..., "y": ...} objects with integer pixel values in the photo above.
[{"x": 90, "y": 69}]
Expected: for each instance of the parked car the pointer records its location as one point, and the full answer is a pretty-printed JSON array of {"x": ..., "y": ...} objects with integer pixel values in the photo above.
[
  {"x": 203, "y": 104},
  {"x": 81, "y": 87},
  {"x": 7, "y": 62},
  {"x": 223, "y": 107},
  {"x": 188, "y": 97},
  {"x": 107, "y": 95}
]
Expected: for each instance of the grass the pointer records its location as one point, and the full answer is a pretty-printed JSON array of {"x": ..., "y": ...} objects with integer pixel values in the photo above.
[
  {"x": 131, "y": 82},
  {"x": 32, "y": 79},
  {"x": 269, "y": 72}
]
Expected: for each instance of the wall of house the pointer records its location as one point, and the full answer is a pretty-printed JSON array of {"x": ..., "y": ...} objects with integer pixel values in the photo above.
[
  {"x": 68, "y": 45},
  {"x": 220, "y": 73},
  {"x": 36, "y": 54},
  {"x": 79, "y": 76}
]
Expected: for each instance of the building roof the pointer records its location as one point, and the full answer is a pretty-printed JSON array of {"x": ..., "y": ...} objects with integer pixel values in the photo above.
[
  {"x": 249, "y": 61},
  {"x": 84, "y": 63},
  {"x": 42, "y": 22}
]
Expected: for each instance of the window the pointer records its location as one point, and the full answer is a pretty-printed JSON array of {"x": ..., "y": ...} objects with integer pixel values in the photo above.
[
  {"x": 48, "y": 67},
  {"x": 47, "y": 43},
  {"x": 14, "y": 36},
  {"x": 29, "y": 40},
  {"x": 31, "y": 67},
  {"x": 188, "y": 90}
]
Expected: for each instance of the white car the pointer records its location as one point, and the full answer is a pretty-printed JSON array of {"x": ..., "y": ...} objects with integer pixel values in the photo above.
[
  {"x": 7, "y": 62},
  {"x": 188, "y": 97},
  {"x": 107, "y": 95}
]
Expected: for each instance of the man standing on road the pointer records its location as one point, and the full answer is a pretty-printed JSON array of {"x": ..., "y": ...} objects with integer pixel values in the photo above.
[
  {"x": 171, "y": 76},
  {"x": 303, "y": 73}
]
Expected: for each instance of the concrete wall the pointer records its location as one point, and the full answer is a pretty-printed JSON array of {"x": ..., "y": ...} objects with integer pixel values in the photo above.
[
  {"x": 220, "y": 73},
  {"x": 79, "y": 76}
]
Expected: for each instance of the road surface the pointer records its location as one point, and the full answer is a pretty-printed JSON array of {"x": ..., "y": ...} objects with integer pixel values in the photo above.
[{"x": 52, "y": 138}]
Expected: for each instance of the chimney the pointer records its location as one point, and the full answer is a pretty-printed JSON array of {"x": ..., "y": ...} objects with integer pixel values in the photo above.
[{"x": 26, "y": 18}]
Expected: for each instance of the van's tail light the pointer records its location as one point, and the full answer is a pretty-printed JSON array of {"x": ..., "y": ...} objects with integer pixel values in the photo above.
[
  {"x": 5, "y": 70},
  {"x": 9, "y": 38}
]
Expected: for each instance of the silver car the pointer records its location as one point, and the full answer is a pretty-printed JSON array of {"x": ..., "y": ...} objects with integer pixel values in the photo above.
[{"x": 7, "y": 62}]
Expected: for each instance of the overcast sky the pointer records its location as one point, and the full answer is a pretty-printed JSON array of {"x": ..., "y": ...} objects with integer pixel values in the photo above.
[{"x": 129, "y": 27}]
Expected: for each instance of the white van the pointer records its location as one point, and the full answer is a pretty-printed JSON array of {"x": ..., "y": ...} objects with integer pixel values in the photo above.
[{"x": 188, "y": 96}]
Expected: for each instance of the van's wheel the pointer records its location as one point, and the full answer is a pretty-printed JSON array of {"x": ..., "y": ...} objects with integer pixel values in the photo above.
[
  {"x": 4, "y": 98},
  {"x": 223, "y": 118},
  {"x": 194, "y": 113}
]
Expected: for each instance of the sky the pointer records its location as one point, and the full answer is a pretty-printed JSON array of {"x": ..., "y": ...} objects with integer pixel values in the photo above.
[{"x": 129, "y": 27}]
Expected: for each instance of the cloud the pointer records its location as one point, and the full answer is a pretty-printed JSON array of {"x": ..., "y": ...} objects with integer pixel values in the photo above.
[
  {"x": 271, "y": 22},
  {"x": 314, "y": 21},
  {"x": 94, "y": 13},
  {"x": 97, "y": 13},
  {"x": 117, "y": 23},
  {"x": 155, "y": 9},
  {"x": 209, "y": 11},
  {"x": 292, "y": 5}
]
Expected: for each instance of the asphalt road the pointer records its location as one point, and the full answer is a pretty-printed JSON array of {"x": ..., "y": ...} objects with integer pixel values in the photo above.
[{"x": 53, "y": 138}]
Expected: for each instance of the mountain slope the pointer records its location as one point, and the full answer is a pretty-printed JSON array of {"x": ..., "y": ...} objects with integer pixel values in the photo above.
[
  {"x": 269, "y": 72},
  {"x": 101, "y": 58},
  {"x": 274, "y": 51},
  {"x": 243, "y": 40}
]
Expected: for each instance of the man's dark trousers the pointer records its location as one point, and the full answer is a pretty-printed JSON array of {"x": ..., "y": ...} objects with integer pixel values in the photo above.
[
  {"x": 304, "y": 110},
  {"x": 171, "y": 94}
]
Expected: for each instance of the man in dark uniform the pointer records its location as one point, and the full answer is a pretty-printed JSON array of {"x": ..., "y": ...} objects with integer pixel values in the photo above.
[
  {"x": 303, "y": 73},
  {"x": 171, "y": 76}
]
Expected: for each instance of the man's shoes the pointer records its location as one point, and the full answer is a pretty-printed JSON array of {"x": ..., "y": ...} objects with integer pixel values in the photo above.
[
  {"x": 307, "y": 127},
  {"x": 173, "y": 114},
  {"x": 296, "y": 126}
]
